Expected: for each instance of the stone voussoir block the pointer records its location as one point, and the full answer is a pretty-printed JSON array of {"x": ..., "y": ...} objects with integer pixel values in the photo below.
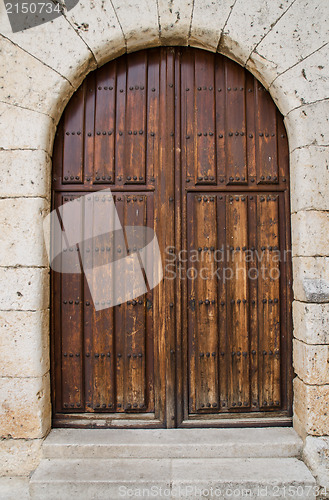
[
  {"x": 46, "y": 94},
  {"x": 64, "y": 51},
  {"x": 208, "y": 20},
  {"x": 304, "y": 83},
  {"x": 139, "y": 22},
  {"x": 175, "y": 21},
  {"x": 247, "y": 25},
  {"x": 97, "y": 24},
  {"x": 292, "y": 38}
]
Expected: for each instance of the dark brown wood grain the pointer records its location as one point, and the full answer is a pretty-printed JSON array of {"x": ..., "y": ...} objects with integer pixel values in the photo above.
[{"x": 192, "y": 146}]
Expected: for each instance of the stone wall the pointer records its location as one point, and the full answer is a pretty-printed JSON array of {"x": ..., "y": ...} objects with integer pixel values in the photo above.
[{"x": 285, "y": 44}]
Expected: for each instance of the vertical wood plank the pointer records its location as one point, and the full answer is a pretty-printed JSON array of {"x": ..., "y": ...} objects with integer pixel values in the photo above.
[
  {"x": 206, "y": 331},
  {"x": 104, "y": 115},
  {"x": 150, "y": 332},
  {"x": 251, "y": 139},
  {"x": 89, "y": 129},
  {"x": 120, "y": 121},
  {"x": 177, "y": 310},
  {"x": 221, "y": 264},
  {"x": 167, "y": 228},
  {"x": 73, "y": 138},
  {"x": 204, "y": 133},
  {"x": 267, "y": 160},
  {"x": 252, "y": 256},
  {"x": 269, "y": 300},
  {"x": 237, "y": 301},
  {"x": 134, "y": 168},
  {"x": 221, "y": 111},
  {"x": 188, "y": 127},
  {"x": 119, "y": 317},
  {"x": 72, "y": 321},
  {"x": 283, "y": 153},
  {"x": 152, "y": 115},
  {"x": 135, "y": 352},
  {"x": 236, "y": 161}
]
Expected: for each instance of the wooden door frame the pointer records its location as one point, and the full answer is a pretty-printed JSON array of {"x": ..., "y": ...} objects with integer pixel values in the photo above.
[{"x": 169, "y": 296}]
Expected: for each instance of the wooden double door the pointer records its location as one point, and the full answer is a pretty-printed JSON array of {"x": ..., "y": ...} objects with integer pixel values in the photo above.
[{"x": 192, "y": 146}]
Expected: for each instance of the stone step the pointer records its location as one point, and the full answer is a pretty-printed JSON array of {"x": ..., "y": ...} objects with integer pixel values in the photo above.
[
  {"x": 178, "y": 478},
  {"x": 173, "y": 443}
]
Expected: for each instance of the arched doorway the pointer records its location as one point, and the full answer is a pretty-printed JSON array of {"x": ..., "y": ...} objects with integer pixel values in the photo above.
[{"x": 191, "y": 145}]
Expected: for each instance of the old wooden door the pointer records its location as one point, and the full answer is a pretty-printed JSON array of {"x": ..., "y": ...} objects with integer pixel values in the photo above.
[{"x": 192, "y": 146}]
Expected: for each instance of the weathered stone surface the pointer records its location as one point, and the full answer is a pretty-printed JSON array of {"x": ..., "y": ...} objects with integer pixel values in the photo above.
[
  {"x": 25, "y": 407},
  {"x": 24, "y": 289},
  {"x": 21, "y": 237},
  {"x": 24, "y": 343},
  {"x": 98, "y": 25},
  {"x": 16, "y": 131},
  {"x": 126, "y": 478},
  {"x": 298, "y": 426},
  {"x": 311, "y": 405},
  {"x": 175, "y": 21},
  {"x": 248, "y": 24},
  {"x": 24, "y": 173},
  {"x": 268, "y": 442},
  {"x": 304, "y": 83},
  {"x": 208, "y": 21},
  {"x": 311, "y": 322},
  {"x": 316, "y": 456},
  {"x": 18, "y": 81},
  {"x": 14, "y": 488},
  {"x": 308, "y": 125},
  {"x": 310, "y": 233},
  {"x": 311, "y": 362},
  {"x": 300, "y": 31},
  {"x": 139, "y": 21},
  {"x": 19, "y": 456},
  {"x": 309, "y": 174},
  {"x": 57, "y": 45},
  {"x": 311, "y": 279}
]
